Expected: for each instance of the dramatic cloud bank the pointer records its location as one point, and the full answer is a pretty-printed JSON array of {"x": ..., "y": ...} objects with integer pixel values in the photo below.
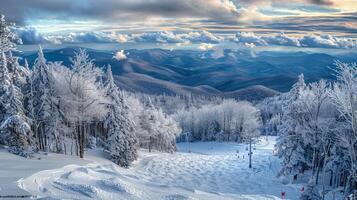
[
  {"x": 205, "y": 39},
  {"x": 170, "y": 37},
  {"x": 116, "y": 10},
  {"x": 88, "y": 37},
  {"x": 29, "y": 35},
  {"x": 182, "y": 15},
  {"x": 311, "y": 40}
]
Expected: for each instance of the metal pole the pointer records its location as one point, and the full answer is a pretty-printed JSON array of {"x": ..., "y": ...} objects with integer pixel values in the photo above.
[{"x": 250, "y": 153}]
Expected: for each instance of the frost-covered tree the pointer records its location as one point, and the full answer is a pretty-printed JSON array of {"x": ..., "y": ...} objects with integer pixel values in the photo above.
[
  {"x": 7, "y": 37},
  {"x": 122, "y": 143},
  {"x": 146, "y": 125},
  {"x": 14, "y": 128},
  {"x": 317, "y": 133},
  {"x": 290, "y": 143},
  {"x": 80, "y": 98},
  {"x": 42, "y": 97},
  {"x": 314, "y": 122},
  {"x": 271, "y": 113},
  {"x": 213, "y": 130},
  {"x": 229, "y": 114},
  {"x": 344, "y": 97},
  {"x": 157, "y": 130},
  {"x": 5, "y": 84}
]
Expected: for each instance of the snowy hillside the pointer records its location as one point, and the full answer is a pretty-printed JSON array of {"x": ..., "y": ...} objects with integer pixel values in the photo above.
[{"x": 211, "y": 171}]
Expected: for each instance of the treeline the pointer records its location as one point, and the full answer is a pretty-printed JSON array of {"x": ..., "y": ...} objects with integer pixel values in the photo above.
[
  {"x": 170, "y": 104},
  {"x": 229, "y": 120},
  {"x": 66, "y": 109},
  {"x": 316, "y": 125}
]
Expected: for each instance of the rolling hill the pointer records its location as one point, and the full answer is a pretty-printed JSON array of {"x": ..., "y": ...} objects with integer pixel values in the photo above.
[{"x": 236, "y": 74}]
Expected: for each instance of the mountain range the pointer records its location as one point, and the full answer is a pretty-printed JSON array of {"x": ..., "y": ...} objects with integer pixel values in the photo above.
[{"x": 233, "y": 74}]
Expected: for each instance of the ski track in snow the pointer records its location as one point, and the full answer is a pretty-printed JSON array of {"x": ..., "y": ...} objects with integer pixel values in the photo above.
[{"x": 213, "y": 171}]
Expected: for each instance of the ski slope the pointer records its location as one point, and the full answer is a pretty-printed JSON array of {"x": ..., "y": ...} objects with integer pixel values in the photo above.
[{"x": 202, "y": 170}]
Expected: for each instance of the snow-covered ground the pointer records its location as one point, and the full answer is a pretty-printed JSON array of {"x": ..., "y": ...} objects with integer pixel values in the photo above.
[
  {"x": 211, "y": 170},
  {"x": 13, "y": 168}
]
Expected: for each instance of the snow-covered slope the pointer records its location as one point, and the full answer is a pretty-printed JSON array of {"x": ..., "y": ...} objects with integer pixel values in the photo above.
[
  {"x": 211, "y": 171},
  {"x": 13, "y": 167}
]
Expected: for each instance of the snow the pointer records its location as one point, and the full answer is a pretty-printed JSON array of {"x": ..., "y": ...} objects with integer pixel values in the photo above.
[
  {"x": 13, "y": 168},
  {"x": 211, "y": 171}
]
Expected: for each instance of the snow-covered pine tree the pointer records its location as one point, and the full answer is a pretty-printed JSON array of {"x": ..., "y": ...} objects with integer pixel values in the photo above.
[
  {"x": 42, "y": 92},
  {"x": 6, "y": 36},
  {"x": 290, "y": 143},
  {"x": 18, "y": 72},
  {"x": 14, "y": 129},
  {"x": 122, "y": 143},
  {"x": 5, "y": 85},
  {"x": 5, "y": 77}
]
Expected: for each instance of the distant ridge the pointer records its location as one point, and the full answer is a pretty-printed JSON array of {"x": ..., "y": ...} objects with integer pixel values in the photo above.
[{"x": 235, "y": 74}]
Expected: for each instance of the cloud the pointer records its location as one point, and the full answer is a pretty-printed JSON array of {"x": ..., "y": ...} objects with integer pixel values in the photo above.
[
  {"x": 82, "y": 37},
  {"x": 120, "y": 55},
  {"x": 88, "y": 37},
  {"x": 23, "y": 11},
  {"x": 323, "y": 2},
  {"x": 179, "y": 38},
  {"x": 158, "y": 37},
  {"x": 310, "y": 40},
  {"x": 203, "y": 36},
  {"x": 327, "y": 41},
  {"x": 282, "y": 39},
  {"x": 249, "y": 37},
  {"x": 29, "y": 35},
  {"x": 224, "y": 16},
  {"x": 121, "y": 38},
  {"x": 114, "y": 10},
  {"x": 205, "y": 46},
  {"x": 250, "y": 45}
]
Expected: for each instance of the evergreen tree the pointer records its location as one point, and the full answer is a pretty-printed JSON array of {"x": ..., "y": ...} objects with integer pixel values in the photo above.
[
  {"x": 5, "y": 84},
  {"x": 14, "y": 128},
  {"x": 6, "y": 36},
  {"x": 42, "y": 100},
  {"x": 121, "y": 141},
  {"x": 290, "y": 143}
]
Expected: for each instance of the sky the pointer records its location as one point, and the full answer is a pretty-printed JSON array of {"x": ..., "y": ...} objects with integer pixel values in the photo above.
[{"x": 179, "y": 23}]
